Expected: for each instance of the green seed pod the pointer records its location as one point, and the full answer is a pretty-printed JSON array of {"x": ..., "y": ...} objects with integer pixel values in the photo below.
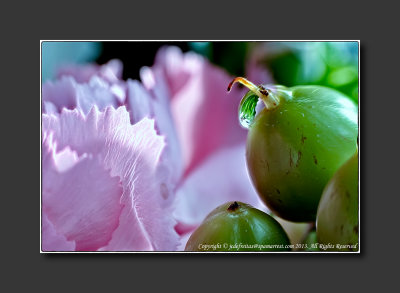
[
  {"x": 235, "y": 226},
  {"x": 337, "y": 217},
  {"x": 295, "y": 144}
]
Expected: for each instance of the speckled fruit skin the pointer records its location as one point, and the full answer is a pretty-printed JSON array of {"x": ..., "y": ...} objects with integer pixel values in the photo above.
[
  {"x": 224, "y": 227},
  {"x": 295, "y": 148},
  {"x": 337, "y": 217}
]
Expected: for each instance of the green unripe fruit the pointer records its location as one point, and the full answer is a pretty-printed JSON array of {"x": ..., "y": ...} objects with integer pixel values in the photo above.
[
  {"x": 296, "y": 143},
  {"x": 337, "y": 218},
  {"x": 235, "y": 226}
]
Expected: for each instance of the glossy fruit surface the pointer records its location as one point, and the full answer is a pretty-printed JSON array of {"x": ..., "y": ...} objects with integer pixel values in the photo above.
[
  {"x": 337, "y": 218},
  {"x": 235, "y": 226},
  {"x": 296, "y": 143}
]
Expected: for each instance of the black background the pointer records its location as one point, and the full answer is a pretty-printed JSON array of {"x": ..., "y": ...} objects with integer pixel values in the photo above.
[
  {"x": 128, "y": 53},
  {"x": 25, "y": 269}
]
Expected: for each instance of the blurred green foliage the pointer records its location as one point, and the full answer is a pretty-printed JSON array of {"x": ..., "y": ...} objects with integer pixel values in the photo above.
[{"x": 331, "y": 64}]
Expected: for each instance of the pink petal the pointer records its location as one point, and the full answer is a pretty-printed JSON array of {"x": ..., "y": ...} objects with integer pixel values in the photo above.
[
  {"x": 111, "y": 71},
  {"x": 221, "y": 178},
  {"x": 171, "y": 167},
  {"x": 144, "y": 210},
  {"x": 206, "y": 117},
  {"x": 139, "y": 101},
  {"x": 82, "y": 202},
  {"x": 67, "y": 93},
  {"x": 172, "y": 64},
  {"x": 49, "y": 108},
  {"x": 132, "y": 154},
  {"x": 81, "y": 73},
  {"x": 183, "y": 240},
  {"x": 65, "y": 159},
  {"x": 97, "y": 92},
  {"x": 61, "y": 94},
  {"x": 53, "y": 241}
]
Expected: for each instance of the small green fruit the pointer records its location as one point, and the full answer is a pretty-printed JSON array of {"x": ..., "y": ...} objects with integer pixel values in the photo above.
[
  {"x": 337, "y": 217},
  {"x": 235, "y": 226},
  {"x": 296, "y": 143}
]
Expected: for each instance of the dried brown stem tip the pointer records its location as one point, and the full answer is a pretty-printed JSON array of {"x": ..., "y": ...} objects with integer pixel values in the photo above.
[
  {"x": 259, "y": 90},
  {"x": 243, "y": 81},
  {"x": 270, "y": 100},
  {"x": 233, "y": 207}
]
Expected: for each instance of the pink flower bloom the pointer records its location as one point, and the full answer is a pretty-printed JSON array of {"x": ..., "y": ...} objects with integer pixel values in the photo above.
[
  {"x": 200, "y": 166},
  {"x": 82, "y": 86},
  {"x": 108, "y": 197}
]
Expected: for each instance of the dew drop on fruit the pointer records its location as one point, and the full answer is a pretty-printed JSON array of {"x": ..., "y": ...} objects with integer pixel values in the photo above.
[{"x": 247, "y": 110}]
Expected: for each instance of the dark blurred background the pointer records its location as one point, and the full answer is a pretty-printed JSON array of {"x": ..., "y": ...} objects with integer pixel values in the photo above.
[{"x": 134, "y": 55}]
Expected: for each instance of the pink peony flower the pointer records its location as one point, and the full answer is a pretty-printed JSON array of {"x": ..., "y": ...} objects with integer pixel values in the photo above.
[{"x": 122, "y": 179}]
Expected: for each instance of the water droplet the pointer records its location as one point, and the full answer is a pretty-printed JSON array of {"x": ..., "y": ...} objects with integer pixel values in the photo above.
[
  {"x": 247, "y": 109},
  {"x": 302, "y": 114}
]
